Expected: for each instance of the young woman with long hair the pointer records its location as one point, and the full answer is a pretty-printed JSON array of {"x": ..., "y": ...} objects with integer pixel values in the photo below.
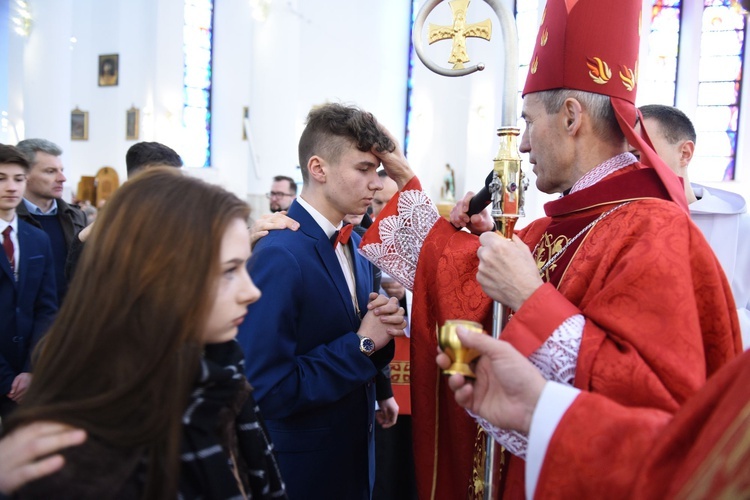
[{"x": 142, "y": 355}]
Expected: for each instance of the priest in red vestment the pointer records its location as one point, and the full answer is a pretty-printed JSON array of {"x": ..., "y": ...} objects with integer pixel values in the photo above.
[
  {"x": 615, "y": 292},
  {"x": 584, "y": 445}
]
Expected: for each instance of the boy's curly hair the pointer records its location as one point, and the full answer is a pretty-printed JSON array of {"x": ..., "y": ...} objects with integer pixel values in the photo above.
[{"x": 333, "y": 127}]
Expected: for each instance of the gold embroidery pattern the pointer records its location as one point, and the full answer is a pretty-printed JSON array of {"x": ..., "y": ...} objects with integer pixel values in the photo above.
[
  {"x": 476, "y": 487},
  {"x": 628, "y": 78},
  {"x": 400, "y": 372},
  {"x": 545, "y": 37},
  {"x": 598, "y": 70},
  {"x": 545, "y": 249},
  {"x": 534, "y": 65},
  {"x": 722, "y": 476}
]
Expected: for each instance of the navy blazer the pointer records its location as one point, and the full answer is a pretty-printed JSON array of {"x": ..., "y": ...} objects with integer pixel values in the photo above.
[
  {"x": 313, "y": 385},
  {"x": 27, "y": 306}
]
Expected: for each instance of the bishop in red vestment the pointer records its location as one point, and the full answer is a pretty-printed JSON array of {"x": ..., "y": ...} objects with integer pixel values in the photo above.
[
  {"x": 588, "y": 446},
  {"x": 703, "y": 452},
  {"x": 616, "y": 292}
]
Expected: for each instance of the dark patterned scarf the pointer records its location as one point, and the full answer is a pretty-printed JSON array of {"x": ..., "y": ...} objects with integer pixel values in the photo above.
[{"x": 222, "y": 418}]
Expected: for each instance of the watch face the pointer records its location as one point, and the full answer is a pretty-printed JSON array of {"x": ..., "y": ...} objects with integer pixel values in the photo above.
[{"x": 367, "y": 345}]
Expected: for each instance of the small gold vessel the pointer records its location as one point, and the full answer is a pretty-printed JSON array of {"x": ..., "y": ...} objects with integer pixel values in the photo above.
[{"x": 451, "y": 345}]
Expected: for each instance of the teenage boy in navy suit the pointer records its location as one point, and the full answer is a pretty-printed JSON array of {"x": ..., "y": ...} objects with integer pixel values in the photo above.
[
  {"x": 28, "y": 293},
  {"x": 317, "y": 338}
]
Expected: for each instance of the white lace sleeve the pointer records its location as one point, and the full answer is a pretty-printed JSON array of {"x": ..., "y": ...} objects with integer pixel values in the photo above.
[
  {"x": 556, "y": 359},
  {"x": 402, "y": 236}
]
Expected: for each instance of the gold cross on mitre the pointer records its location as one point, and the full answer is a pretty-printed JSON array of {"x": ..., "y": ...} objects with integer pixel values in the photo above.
[{"x": 459, "y": 31}]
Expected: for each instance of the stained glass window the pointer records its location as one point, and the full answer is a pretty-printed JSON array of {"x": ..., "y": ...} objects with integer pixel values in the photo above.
[
  {"x": 196, "y": 113},
  {"x": 716, "y": 71},
  {"x": 658, "y": 74},
  {"x": 719, "y": 77}
]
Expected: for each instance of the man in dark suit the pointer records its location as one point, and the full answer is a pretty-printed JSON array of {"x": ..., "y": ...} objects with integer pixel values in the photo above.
[
  {"x": 316, "y": 339},
  {"x": 28, "y": 297},
  {"x": 43, "y": 206}
]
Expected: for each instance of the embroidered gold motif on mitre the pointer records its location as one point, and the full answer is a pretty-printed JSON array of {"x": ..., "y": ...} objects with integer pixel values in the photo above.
[
  {"x": 534, "y": 65},
  {"x": 546, "y": 249},
  {"x": 598, "y": 70},
  {"x": 628, "y": 78},
  {"x": 545, "y": 37}
]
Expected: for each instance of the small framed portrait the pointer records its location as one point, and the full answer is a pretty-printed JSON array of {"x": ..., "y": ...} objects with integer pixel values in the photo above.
[
  {"x": 79, "y": 125},
  {"x": 109, "y": 72},
  {"x": 132, "y": 117}
]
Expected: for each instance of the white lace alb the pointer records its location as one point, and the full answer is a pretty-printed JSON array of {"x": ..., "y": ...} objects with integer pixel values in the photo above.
[
  {"x": 402, "y": 236},
  {"x": 556, "y": 358}
]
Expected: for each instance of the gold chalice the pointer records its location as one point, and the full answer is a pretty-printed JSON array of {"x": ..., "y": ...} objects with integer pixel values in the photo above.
[{"x": 451, "y": 345}]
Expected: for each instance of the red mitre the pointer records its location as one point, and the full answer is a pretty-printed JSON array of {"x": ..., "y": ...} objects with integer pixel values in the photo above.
[{"x": 592, "y": 45}]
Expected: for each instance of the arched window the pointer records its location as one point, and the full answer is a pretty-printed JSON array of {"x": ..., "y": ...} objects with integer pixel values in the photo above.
[
  {"x": 196, "y": 113},
  {"x": 658, "y": 71},
  {"x": 694, "y": 61}
]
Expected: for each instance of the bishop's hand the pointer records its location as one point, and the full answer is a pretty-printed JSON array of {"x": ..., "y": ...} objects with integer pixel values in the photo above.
[
  {"x": 477, "y": 223},
  {"x": 394, "y": 162},
  {"x": 507, "y": 386},
  {"x": 507, "y": 271}
]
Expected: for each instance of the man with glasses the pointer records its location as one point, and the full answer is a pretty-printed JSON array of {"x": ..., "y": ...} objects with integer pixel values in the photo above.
[{"x": 283, "y": 192}]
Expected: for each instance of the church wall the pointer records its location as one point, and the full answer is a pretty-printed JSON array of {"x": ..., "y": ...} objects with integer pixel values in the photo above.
[
  {"x": 307, "y": 53},
  {"x": 34, "y": 63},
  {"x": 54, "y": 70},
  {"x": 299, "y": 56},
  {"x": 303, "y": 53}
]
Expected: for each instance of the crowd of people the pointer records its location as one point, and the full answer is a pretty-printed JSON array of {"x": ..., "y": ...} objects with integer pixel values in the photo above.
[{"x": 297, "y": 358}]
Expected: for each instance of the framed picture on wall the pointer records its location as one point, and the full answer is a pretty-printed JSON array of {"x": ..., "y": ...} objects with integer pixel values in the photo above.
[
  {"x": 109, "y": 71},
  {"x": 132, "y": 117},
  {"x": 79, "y": 125}
]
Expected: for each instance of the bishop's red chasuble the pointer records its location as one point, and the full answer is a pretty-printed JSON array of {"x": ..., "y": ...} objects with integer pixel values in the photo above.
[
  {"x": 604, "y": 450},
  {"x": 659, "y": 316}
]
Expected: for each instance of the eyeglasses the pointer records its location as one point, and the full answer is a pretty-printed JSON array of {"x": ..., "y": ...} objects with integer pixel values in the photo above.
[{"x": 276, "y": 194}]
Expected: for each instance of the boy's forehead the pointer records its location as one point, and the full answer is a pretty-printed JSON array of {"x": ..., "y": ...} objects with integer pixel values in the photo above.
[{"x": 11, "y": 169}]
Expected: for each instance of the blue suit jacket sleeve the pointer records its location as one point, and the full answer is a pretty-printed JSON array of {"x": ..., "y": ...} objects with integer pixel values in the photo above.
[
  {"x": 7, "y": 375},
  {"x": 46, "y": 302},
  {"x": 45, "y": 305},
  {"x": 301, "y": 348}
]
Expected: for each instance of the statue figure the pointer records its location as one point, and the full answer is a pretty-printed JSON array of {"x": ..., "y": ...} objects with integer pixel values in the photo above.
[
  {"x": 448, "y": 189},
  {"x": 496, "y": 189}
]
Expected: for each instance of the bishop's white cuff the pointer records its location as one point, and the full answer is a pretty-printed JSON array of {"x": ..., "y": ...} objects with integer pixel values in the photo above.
[{"x": 554, "y": 401}]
